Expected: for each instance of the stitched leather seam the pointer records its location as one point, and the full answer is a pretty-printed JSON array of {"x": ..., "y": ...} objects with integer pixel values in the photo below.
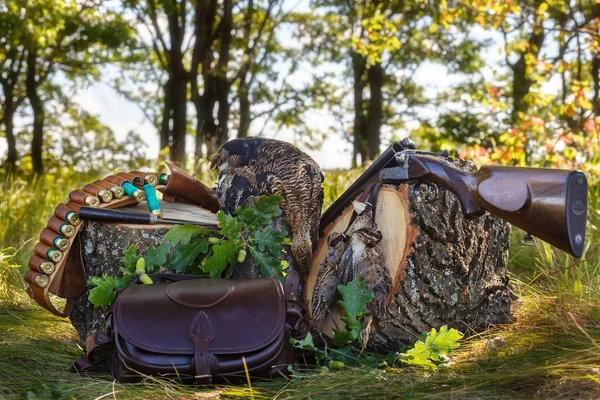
[
  {"x": 183, "y": 303},
  {"x": 275, "y": 332}
]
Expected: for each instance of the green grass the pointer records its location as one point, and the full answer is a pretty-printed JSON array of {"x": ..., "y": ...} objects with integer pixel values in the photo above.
[{"x": 551, "y": 351}]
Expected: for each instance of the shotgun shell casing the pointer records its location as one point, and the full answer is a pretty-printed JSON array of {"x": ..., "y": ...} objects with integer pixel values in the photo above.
[
  {"x": 134, "y": 192},
  {"x": 48, "y": 252},
  {"x": 73, "y": 218},
  {"x": 64, "y": 212},
  {"x": 51, "y": 238},
  {"x": 40, "y": 264},
  {"x": 67, "y": 230},
  {"x": 61, "y": 227},
  {"x": 164, "y": 179},
  {"x": 41, "y": 280},
  {"x": 46, "y": 267},
  {"x": 103, "y": 194},
  {"x": 54, "y": 255},
  {"x": 80, "y": 197},
  {"x": 153, "y": 204},
  {"x": 117, "y": 190},
  {"x": 61, "y": 243}
]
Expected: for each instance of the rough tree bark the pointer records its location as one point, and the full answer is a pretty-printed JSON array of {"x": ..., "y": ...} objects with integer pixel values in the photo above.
[{"x": 445, "y": 270}]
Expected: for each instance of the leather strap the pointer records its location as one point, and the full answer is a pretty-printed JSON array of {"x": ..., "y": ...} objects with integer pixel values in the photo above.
[
  {"x": 201, "y": 334},
  {"x": 299, "y": 325}
]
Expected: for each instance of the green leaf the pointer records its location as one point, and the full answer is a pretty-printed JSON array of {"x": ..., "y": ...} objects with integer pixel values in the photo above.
[
  {"x": 130, "y": 258},
  {"x": 269, "y": 266},
  {"x": 223, "y": 255},
  {"x": 355, "y": 298},
  {"x": 263, "y": 210},
  {"x": 230, "y": 226},
  {"x": 341, "y": 337},
  {"x": 308, "y": 344},
  {"x": 268, "y": 238},
  {"x": 157, "y": 257},
  {"x": 187, "y": 253},
  {"x": 428, "y": 352},
  {"x": 105, "y": 290},
  {"x": 182, "y": 234},
  {"x": 268, "y": 205}
]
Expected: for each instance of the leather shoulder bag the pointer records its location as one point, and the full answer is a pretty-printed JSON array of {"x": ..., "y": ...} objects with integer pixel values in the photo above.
[{"x": 201, "y": 330}]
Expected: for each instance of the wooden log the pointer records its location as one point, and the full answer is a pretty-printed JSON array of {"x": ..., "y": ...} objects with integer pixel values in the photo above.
[{"x": 445, "y": 270}]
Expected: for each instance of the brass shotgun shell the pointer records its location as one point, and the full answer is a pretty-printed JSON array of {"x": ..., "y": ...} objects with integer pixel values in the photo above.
[
  {"x": 41, "y": 280},
  {"x": 151, "y": 179},
  {"x": 54, "y": 255},
  {"x": 67, "y": 230},
  {"x": 61, "y": 227},
  {"x": 117, "y": 191},
  {"x": 83, "y": 198},
  {"x": 66, "y": 213},
  {"x": 73, "y": 218},
  {"x": 105, "y": 195},
  {"x": 40, "y": 264},
  {"x": 61, "y": 243},
  {"x": 92, "y": 201},
  {"x": 46, "y": 267}
]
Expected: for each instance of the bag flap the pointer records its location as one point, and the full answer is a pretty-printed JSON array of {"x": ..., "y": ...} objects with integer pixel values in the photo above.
[{"x": 245, "y": 314}]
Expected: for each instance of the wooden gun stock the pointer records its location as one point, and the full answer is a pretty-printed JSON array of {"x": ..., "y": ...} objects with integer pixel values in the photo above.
[{"x": 548, "y": 203}]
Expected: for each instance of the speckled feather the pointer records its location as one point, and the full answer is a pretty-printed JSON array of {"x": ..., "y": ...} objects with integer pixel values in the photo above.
[
  {"x": 358, "y": 254},
  {"x": 253, "y": 166}
]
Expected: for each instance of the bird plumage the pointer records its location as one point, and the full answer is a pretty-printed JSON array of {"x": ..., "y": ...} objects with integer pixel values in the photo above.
[
  {"x": 356, "y": 255},
  {"x": 253, "y": 166}
]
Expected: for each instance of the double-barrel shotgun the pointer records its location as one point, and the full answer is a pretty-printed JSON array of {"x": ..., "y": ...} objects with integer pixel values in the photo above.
[{"x": 550, "y": 204}]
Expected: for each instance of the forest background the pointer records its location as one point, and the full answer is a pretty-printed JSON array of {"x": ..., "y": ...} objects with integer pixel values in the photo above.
[{"x": 89, "y": 87}]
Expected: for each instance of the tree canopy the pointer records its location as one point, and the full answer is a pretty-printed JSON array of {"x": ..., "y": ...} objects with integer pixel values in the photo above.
[{"x": 523, "y": 76}]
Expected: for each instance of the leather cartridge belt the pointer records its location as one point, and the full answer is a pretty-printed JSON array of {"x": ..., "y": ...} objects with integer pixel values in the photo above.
[{"x": 56, "y": 266}]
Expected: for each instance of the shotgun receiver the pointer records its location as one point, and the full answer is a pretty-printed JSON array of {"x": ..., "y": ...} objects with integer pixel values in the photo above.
[{"x": 548, "y": 203}]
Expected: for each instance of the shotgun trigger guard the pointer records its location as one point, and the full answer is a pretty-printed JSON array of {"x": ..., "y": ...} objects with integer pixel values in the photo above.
[{"x": 528, "y": 240}]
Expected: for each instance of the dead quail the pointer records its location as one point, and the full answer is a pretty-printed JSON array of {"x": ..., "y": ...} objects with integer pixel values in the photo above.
[
  {"x": 325, "y": 293},
  {"x": 251, "y": 166},
  {"x": 356, "y": 255}
]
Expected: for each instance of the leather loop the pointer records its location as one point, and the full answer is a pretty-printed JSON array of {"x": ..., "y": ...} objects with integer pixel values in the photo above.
[{"x": 201, "y": 334}]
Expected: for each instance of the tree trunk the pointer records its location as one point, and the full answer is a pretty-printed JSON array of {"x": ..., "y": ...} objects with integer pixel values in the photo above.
[
  {"x": 9, "y": 127},
  {"x": 445, "y": 270},
  {"x": 165, "y": 125},
  {"x": 358, "y": 67},
  {"x": 38, "y": 114},
  {"x": 521, "y": 81},
  {"x": 179, "y": 119},
  {"x": 375, "y": 76},
  {"x": 244, "y": 127}
]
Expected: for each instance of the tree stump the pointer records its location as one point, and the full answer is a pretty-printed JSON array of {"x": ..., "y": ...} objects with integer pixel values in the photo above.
[
  {"x": 446, "y": 270},
  {"x": 103, "y": 246}
]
